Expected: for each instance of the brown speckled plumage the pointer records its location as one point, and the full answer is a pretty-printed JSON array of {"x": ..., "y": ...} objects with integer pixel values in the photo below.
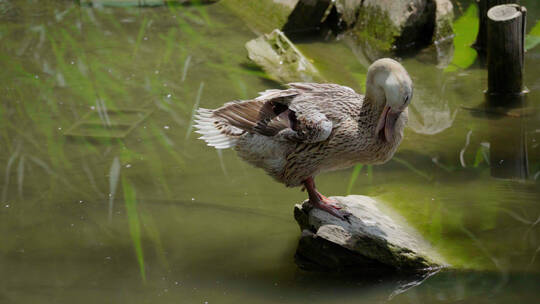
[{"x": 296, "y": 133}]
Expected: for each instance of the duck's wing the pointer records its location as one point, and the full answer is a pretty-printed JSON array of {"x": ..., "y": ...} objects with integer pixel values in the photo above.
[
  {"x": 266, "y": 115},
  {"x": 292, "y": 114},
  {"x": 320, "y": 87}
]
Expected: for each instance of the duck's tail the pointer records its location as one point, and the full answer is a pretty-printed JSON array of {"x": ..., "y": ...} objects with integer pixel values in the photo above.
[{"x": 216, "y": 131}]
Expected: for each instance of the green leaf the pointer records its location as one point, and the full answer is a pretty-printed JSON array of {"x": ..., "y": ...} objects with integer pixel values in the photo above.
[
  {"x": 466, "y": 30},
  {"x": 533, "y": 38},
  {"x": 478, "y": 158}
]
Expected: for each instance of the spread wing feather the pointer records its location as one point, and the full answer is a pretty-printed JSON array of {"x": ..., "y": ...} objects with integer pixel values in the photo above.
[{"x": 293, "y": 114}]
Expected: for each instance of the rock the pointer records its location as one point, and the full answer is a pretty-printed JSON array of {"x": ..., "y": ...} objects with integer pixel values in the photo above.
[
  {"x": 8, "y": 12},
  {"x": 399, "y": 24},
  {"x": 444, "y": 16},
  {"x": 377, "y": 240},
  {"x": 312, "y": 16},
  {"x": 307, "y": 17},
  {"x": 280, "y": 59},
  {"x": 348, "y": 11}
]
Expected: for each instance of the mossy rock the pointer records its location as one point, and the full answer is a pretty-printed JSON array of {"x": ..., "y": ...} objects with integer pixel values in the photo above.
[
  {"x": 396, "y": 25},
  {"x": 375, "y": 29},
  {"x": 280, "y": 59},
  {"x": 374, "y": 240}
]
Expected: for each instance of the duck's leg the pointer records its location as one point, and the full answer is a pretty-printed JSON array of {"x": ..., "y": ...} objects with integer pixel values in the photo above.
[{"x": 319, "y": 201}]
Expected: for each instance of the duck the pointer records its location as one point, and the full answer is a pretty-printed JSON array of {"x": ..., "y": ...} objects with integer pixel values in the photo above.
[{"x": 296, "y": 133}]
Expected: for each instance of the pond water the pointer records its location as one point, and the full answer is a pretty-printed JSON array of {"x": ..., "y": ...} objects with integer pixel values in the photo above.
[{"x": 107, "y": 195}]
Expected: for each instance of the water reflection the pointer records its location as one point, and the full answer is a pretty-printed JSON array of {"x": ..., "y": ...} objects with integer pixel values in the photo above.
[
  {"x": 431, "y": 113},
  {"x": 203, "y": 228},
  {"x": 508, "y": 149}
]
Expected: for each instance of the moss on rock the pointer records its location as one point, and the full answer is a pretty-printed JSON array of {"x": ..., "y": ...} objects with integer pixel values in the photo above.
[
  {"x": 375, "y": 28},
  {"x": 387, "y": 25},
  {"x": 280, "y": 59},
  {"x": 376, "y": 239}
]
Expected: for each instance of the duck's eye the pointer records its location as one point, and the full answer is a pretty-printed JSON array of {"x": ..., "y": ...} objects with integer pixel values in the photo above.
[{"x": 406, "y": 99}]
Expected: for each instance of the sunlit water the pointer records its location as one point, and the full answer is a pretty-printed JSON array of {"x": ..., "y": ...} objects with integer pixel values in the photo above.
[{"x": 107, "y": 196}]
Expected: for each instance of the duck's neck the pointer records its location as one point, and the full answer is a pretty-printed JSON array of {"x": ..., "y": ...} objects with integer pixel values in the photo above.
[
  {"x": 374, "y": 104},
  {"x": 375, "y": 97}
]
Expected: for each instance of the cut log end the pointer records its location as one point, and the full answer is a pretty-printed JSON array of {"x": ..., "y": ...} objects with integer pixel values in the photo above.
[{"x": 505, "y": 12}]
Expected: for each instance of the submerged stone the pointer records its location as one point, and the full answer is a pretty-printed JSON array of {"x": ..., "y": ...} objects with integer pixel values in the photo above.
[
  {"x": 375, "y": 240},
  {"x": 280, "y": 59}
]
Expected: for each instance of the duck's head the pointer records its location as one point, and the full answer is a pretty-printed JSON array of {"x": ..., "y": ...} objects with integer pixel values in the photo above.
[{"x": 388, "y": 84}]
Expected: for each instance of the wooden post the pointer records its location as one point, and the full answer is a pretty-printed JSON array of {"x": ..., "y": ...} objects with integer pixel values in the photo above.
[
  {"x": 483, "y": 7},
  {"x": 505, "y": 56},
  {"x": 505, "y": 51}
]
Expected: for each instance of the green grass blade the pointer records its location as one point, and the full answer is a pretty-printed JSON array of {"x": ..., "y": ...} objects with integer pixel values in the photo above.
[
  {"x": 194, "y": 110},
  {"x": 114, "y": 173},
  {"x": 140, "y": 36},
  {"x": 412, "y": 168},
  {"x": 370, "y": 173},
  {"x": 354, "y": 176},
  {"x": 152, "y": 231},
  {"x": 134, "y": 224}
]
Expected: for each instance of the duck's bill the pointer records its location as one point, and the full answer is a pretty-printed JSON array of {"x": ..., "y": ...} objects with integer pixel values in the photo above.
[{"x": 386, "y": 124}]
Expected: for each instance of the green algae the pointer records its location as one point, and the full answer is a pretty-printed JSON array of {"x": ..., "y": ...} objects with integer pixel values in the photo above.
[
  {"x": 375, "y": 29},
  {"x": 280, "y": 59}
]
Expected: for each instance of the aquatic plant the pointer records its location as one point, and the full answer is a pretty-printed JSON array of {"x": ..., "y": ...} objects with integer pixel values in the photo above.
[{"x": 466, "y": 30}]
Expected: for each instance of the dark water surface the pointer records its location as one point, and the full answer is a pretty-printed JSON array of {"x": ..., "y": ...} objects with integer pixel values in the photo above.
[{"x": 107, "y": 196}]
